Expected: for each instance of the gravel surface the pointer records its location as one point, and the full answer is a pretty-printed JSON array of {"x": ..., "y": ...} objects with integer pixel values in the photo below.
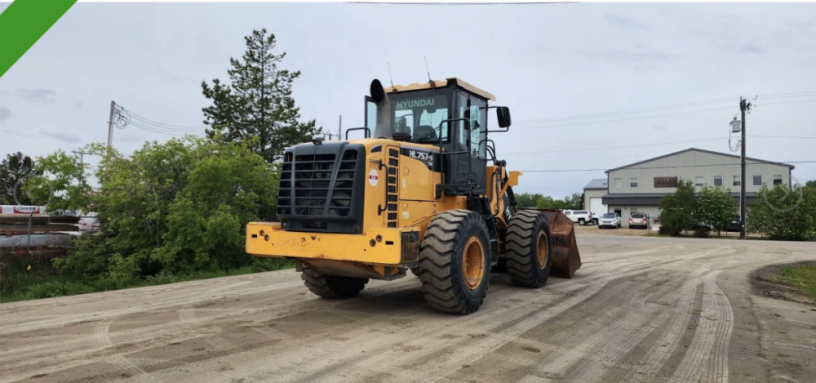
[{"x": 640, "y": 309}]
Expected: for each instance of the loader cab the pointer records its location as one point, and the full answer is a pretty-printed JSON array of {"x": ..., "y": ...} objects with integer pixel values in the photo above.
[{"x": 421, "y": 113}]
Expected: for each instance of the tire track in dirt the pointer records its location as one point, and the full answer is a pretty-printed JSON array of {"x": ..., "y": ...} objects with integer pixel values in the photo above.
[
  {"x": 706, "y": 358},
  {"x": 429, "y": 342},
  {"x": 616, "y": 344},
  {"x": 384, "y": 353},
  {"x": 483, "y": 346},
  {"x": 102, "y": 339}
]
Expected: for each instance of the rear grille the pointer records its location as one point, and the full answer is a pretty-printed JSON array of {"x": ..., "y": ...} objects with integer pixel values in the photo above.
[
  {"x": 317, "y": 189},
  {"x": 312, "y": 181}
]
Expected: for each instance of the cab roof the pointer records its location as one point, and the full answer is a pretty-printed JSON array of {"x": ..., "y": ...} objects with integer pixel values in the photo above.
[{"x": 441, "y": 84}]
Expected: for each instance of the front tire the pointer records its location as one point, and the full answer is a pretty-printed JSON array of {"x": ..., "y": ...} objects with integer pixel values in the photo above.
[
  {"x": 454, "y": 263},
  {"x": 528, "y": 249},
  {"x": 331, "y": 286}
]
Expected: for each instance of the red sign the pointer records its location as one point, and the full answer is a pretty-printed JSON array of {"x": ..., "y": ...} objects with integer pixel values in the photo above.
[{"x": 26, "y": 209}]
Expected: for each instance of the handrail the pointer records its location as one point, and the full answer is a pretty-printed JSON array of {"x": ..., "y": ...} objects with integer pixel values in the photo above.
[{"x": 367, "y": 131}]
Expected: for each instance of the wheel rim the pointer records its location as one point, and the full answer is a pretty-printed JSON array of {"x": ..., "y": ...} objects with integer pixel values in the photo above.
[
  {"x": 473, "y": 263},
  {"x": 541, "y": 250}
]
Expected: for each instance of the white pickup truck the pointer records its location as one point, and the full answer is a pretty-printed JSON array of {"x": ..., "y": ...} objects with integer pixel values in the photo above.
[{"x": 581, "y": 217}]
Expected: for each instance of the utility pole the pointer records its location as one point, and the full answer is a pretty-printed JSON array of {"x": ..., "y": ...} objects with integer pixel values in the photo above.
[
  {"x": 744, "y": 105},
  {"x": 340, "y": 128},
  {"x": 110, "y": 124},
  {"x": 82, "y": 154}
]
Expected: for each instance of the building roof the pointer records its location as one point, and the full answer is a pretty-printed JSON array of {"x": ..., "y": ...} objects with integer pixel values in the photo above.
[
  {"x": 596, "y": 184},
  {"x": 703, "y": 151},
  {"x": 441, "y": 84}
]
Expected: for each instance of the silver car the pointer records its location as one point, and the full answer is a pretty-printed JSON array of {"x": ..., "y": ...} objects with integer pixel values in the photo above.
[{"x": 609, "y": 220}]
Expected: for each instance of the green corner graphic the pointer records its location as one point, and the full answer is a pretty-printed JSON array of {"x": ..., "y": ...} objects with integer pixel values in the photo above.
[{"x": 23, "y": 23}]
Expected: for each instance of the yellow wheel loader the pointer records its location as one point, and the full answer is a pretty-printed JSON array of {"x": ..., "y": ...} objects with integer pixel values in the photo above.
[{"x": 424, "y": 193}]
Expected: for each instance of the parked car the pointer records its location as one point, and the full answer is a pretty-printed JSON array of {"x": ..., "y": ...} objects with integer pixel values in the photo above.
[
  {"x": 609, "y": 220},
  {"x": 581, "y": 217},
  {"x": 734, "y": 226},
  {"x": 639, "y": 220}
]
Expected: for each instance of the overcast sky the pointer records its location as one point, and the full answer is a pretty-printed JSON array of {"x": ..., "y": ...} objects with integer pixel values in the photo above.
[{"x": 543, "y": 61}]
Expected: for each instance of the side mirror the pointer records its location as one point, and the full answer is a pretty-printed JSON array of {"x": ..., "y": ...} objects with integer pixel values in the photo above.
[{"x": 503, "y": 114}]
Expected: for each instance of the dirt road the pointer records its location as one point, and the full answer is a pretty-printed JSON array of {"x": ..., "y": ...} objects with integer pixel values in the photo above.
[{"x": 639, "y": 310}]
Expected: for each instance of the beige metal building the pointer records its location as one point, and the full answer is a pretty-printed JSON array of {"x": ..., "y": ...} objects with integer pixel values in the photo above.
[
  {"x": 638, "y": 187},
  {"x": 593, "y": 195}
]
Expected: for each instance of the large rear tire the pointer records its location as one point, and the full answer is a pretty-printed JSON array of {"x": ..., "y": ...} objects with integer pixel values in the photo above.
[
  {"x": 332, "y": 286},
  {"x": 454, "y": 263},
  {"x": 528, "y": 249}
]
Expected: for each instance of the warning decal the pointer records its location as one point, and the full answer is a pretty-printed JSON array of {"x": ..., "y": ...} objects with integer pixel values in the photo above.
[{"x": 373, "y": 177}]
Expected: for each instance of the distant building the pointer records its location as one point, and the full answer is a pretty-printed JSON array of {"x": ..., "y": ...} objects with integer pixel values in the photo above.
[
  {"x": 638, "y": 187},
  {"x": 593, "y": 195}
]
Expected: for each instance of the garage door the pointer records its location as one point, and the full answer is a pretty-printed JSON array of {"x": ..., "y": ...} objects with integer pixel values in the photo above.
[{"x": 596, "y": 207}]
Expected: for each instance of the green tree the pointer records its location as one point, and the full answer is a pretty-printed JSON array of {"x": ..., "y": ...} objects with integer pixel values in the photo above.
[
  {"x": 14, "y": 170},
  {"x": 677, "y": 210},
  {"x": 67, "y": 187},
  {"x": 811, "y": 184},
  {"x": 258, "y": 101},
  {"x": 176, "y": 207},
  {"x": 716, "y": 207},
  {"x": 783, "y": 213}
]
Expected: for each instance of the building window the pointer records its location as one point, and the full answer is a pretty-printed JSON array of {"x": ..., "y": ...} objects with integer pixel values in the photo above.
[
  {"x": 777, "y": 180},
  {"x": 736, "y": 180},
  {"x": 699, "y": 181},
  {"x": 633, "y": 182},
  {"x": 618, "y": 183},
  {"x": 634, "y": 210},
  {"x": 758, "y": 180},
  {"x": 718, "y": 181}
]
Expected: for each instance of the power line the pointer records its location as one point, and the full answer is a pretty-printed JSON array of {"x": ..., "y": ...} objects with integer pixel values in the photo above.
[
  {"x": 653, "y": 116},
  {"x": 161, "y": 124},
  {"x": 615, "y": 147},
  {"x": 657, "y": 167},
  {"x": 643, "y": 145},
  {"x": 673, "y": 106},
  {"x": 793, "y": 137},
  {"x": 151, "y": 129},
  {"x": 623, "y": 119}
]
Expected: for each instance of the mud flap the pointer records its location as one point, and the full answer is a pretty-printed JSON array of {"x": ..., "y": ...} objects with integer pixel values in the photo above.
[{"x": 566, "y": 258}]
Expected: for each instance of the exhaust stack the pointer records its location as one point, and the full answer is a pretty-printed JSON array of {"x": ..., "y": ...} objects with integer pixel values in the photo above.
[{"x": 383, "y": 128}]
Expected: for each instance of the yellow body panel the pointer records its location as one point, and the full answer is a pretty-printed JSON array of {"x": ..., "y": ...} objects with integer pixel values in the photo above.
[
  {"x": 269, "y": 240},
  {"x": 412, "y": 206}
]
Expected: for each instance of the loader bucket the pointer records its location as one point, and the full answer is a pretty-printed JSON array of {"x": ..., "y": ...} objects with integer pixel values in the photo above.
[{"x": 565, "y": 257}]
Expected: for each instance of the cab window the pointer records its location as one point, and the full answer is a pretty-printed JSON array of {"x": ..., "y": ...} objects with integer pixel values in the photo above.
[{"x": 477, "y": 122}]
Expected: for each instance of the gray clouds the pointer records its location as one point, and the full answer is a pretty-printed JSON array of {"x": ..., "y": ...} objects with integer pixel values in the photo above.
[
  {"x": 643, "y": 56},
  {"x": 64, "y": 137},
  {"x": 5, "y": 113},
  {"x": 38, "y": 95},
  {"x": 625, "y": 22},
  {"x": 751, "y": 48},
  {"x": 543, "y": 61}
]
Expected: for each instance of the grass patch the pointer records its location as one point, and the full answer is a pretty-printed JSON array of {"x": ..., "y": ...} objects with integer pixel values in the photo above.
[
  {"x": 803, "y": 278},
  {"x": 22, "y": 283}
]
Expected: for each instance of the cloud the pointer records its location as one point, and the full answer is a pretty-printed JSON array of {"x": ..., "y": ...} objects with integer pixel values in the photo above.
[
  {"x": 628, "y": 56},
  {"x": 659, "y": 127},
  {"x": 802, "y": 25},
  {"x": 69, "y": 138},
  {"x": 751, "y": 48},
  {"x": 78, "y": 104},
  {"x": 625, "y": 22},
  {"x": 130, "y": 138},
  {"x": 40, "y": 95},
  {"x": 5, "y": 113}
]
